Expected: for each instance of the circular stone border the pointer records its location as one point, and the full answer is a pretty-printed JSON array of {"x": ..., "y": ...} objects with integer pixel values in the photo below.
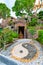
[{"x": 26, "y": 60}]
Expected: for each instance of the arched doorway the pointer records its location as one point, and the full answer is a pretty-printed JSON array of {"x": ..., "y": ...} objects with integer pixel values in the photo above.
[
  {"x": 20, "y": 25},
  {"x": 21, "y": 31}
]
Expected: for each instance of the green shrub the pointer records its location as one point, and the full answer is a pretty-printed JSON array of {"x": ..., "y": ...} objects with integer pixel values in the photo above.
[
  {"x": 7, "y": 36},
  {"x": 40, "y": 15},
  {"x": 40, "y": 36},
  {"x": 33, "y": 22},
  {"x": 14, "y": 34},
  {"x": 32, "y": 31},
  {"x": 1, "y": 30}
]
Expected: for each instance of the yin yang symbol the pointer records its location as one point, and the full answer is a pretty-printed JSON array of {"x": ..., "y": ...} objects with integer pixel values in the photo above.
[
  {"x": 24, "y": 51},
  {"x": 20, "y": 51}
]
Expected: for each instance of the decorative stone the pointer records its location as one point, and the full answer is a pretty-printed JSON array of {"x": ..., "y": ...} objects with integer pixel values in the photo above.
[
  {"x": 37, "y": 58},
  {"x": 24, "y": 51}
]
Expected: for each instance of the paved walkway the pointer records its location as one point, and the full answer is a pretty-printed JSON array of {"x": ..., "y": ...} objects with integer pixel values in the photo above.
[{"x": 37, "y": 61}]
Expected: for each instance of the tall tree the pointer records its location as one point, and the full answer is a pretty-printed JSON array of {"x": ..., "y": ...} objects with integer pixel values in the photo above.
[
  {"x": 4, "y": 11},
  {"x": 23, "y": 5}
]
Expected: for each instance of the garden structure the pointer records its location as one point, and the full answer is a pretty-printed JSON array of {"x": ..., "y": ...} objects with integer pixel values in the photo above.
[
  {"x": 20, "y": 27},
  {"x": 19, "y": 37}
]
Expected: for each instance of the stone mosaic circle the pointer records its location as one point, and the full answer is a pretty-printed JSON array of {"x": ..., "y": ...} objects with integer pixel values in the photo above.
[{"x": 24, "y": 51}]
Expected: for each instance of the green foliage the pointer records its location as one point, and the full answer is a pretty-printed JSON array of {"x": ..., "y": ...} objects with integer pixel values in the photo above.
[
  {"x": 14, "y": 35},
  {"x": 40, "y": 36},
  {"x": 7, "y": 36},
  {"x": 32, "y": 31},
  {"x": 21, "y": 5},
  {"x": 1, "y": 29},
  {"x": 40, "y": 15},
  {"x": 33, "y": 22},
  {"x": 4, "y": 11}
]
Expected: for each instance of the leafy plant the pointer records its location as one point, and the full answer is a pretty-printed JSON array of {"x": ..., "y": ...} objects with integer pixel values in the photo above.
[
  {"x": 33, "y": 22},
  {"x": 40, "y": 15},
  {"x": 40, "y": 36},
  {"x": 4, "y": 11},
  {"x": 32, "y": 31},
  {"x": 21, "y": 5},
  {"x": 7, "y": 36},
  {"x": 1, "y": 29}
]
